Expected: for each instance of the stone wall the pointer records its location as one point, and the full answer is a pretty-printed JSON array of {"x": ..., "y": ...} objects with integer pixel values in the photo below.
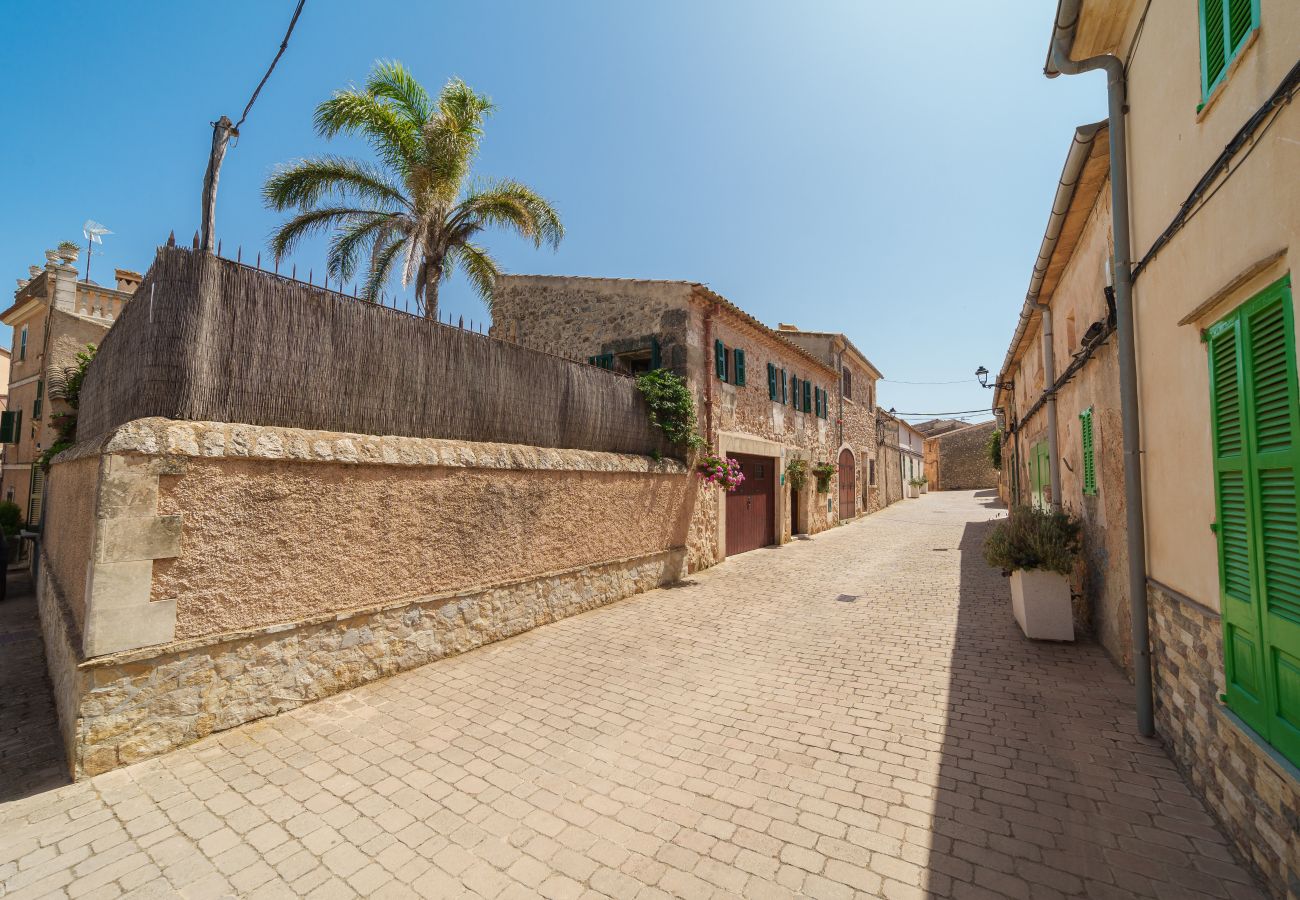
[
  {"x": 1249, "y": 788},
  {"x": 964, "y": 460},
  {"x": 70, "y": 533},
  {"x": 236, "y": 571}
]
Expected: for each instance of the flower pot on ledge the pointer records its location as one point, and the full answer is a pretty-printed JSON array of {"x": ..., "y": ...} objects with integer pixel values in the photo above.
[{"x": 1040, "y": 601}]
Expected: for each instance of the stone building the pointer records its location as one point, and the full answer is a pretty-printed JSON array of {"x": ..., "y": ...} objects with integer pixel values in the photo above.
[
  {"x": 54, "y": 316},
  {"x": 911, "y": 457},
  {"x": 1071, "y": 284},
  {"x": 760, "y": 398},
  {"x": 959, "y": 460},
  {"x": 890, "y": 489},
  {"x": 1212, "y": 200},
  {"x": 855, "y": 414}
]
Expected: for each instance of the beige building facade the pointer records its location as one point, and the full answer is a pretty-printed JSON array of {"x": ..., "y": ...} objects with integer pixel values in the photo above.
[
  {"x": 760, "y": 398},
  {"x": 1214, "y": 190},
  {"x": 854, "y": 409},
  {"x": 54, "y": 316}
]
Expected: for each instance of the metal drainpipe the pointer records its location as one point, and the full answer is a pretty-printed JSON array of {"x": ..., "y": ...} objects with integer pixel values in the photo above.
[
  {"x": 1137, "y": 556},
  {"x": 1053, "y": 434}
]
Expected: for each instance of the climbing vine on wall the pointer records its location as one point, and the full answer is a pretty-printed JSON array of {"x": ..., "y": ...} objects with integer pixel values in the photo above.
[{"x": 671, "y": 407}]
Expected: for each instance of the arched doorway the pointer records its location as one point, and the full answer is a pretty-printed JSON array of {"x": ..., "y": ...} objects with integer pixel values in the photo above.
[{"x": 848, "y": 485}]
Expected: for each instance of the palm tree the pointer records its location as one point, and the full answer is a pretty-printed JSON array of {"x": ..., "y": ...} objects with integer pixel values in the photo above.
[{"x": 418, "y": 205}]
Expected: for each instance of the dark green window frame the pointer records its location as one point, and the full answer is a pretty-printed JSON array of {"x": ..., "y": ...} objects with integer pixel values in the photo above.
[
  {"x": 1089, "y": 453},
  {"x": 785, "y": 393},
  {"x": 602, "y": 361},
  {"x": 39, "y": 403},
  {"x": 807, "y": 396},
  {"x": 720, "y": 360},
  {"x": 738, "y": 369},
  {"x": 771, "y": 382},
  {"x": 1225, "y": 26},
  {"x": 1255, "y": 446}
]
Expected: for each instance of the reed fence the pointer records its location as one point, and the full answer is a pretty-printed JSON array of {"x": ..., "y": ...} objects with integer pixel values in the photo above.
[{"x": 211, "y": 339}]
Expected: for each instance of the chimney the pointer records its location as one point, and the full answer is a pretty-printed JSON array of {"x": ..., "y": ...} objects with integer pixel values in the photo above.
[
  {"x": 127, "y": 281},
  {"x": 785, "y": 327}
]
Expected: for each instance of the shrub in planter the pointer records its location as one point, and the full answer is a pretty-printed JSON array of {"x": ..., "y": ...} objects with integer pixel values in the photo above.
[
  {"x": 724, "y": 473},
  {"x": 1038, "y": 548},
  {"x": 11, "y": 517},
  {"x": 823, "y": 472},
  {"x": 796, "y": 472}
]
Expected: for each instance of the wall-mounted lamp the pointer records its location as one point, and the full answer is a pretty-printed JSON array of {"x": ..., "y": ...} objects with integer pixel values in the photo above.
[{"x": 983, "y": 375}]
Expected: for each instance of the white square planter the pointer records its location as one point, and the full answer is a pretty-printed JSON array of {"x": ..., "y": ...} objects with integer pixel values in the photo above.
[
  {"x": 913, "y": 491},
  {"x": 1040, "y": 601},
  {"x": 925, "y": 488}
]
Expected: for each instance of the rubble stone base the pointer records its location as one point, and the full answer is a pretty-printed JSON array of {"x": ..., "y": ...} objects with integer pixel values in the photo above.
[
  {"x": 1253, "y": 792},
  {"x": 126, "y": 707}
]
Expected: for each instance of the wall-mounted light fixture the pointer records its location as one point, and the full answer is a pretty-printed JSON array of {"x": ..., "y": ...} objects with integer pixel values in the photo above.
[{"x": 983, "y": 375}]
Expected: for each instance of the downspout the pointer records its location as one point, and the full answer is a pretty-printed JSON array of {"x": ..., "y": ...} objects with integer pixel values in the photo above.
[
  {"x": 709, "y": 309},
  {"x": 1062, "y": 40},
  {"x": 1053, "y": 435}
]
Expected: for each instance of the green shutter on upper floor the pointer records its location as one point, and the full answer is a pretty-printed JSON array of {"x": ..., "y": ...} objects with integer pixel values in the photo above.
[
  {"x": 771, "y": 381},
  {"x": 1224, "y": 27},
  {"x": 39, "y": 402},
  {"x": 784, "y": 386},
  {"x": 1256, "y": 447},
  {"x": 739, "y": 370},
  {"x": 794, "y": 390},
  {"x": 720, "y": 360},
  {"x": 807, "y": 396},
  {"x": 8, "y": 429},
  {"x": 1089, "y": 462}
]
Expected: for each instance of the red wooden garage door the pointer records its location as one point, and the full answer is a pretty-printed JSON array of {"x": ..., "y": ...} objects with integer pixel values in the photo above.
[{"x": 751, "y": 508}]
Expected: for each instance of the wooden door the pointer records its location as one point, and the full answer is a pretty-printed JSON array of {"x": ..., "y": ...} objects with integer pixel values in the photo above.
[
  {"x": 848, "y": 485},
  {"x": 751, "y": 507}
]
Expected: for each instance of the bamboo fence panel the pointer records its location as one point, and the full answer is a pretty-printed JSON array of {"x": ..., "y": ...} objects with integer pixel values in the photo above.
[{"x": 210, "y": 339}]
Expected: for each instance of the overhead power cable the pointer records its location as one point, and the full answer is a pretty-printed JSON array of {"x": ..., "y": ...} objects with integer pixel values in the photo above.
[{"x": 896, "y": 381}]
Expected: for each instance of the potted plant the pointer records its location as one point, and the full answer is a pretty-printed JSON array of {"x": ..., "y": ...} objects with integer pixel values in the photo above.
[
  {"x": 723, "y": 472},
  {"x": 68, "y": 251},
  {"x": 796, "y": 473},
  {"x": 925, "y": 484},
  {"x": 1038, "y": 549},
  {"x": 914, "y": 486},
  {"x": 823, "y": 472}
]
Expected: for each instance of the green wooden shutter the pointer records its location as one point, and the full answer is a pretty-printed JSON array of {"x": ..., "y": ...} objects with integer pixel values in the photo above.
[
  {"x": 1256, "y": 441},
  {"x": 656, "y": 357},
  {"x": 40, "y": 398},
  {"x": 807, "y": 395},
  {"x": 36, "y": 496},
  {"x": 1089, "y": 462},
  {"x": 740, "y": 367},
  {"x": 1225, "y": 25},
  {"x": 8, "y": 433},
  {"x": 720, "y": 360},
  {"x": 785, "y": 394},
  {"x": 771, "y": 381},
  {"x": 794, "y": 390}
]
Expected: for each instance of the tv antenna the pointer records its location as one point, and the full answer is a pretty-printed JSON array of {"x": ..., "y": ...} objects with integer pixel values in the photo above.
[{"x": 94, "y": 234}]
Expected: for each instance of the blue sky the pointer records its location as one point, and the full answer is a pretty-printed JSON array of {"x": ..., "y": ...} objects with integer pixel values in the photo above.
[{"x": 875, "y": 168}]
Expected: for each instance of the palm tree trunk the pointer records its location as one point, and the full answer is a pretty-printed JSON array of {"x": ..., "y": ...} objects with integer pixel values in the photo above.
[{"x": 431, "y": 297}]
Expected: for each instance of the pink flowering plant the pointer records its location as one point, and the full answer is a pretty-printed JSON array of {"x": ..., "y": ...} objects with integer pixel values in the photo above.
[{"x": 724, "y": 472}]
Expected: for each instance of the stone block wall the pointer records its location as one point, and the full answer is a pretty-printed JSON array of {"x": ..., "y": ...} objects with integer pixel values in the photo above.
[
  {"x": 1249, "y": 788},
  {"x": 233, "y": 571},
  {"x": 964, "y": 460}
]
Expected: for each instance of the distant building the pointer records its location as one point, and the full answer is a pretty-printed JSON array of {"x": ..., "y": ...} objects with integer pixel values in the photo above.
[
  {"x": 932, "y": 427},
  {"x": 54, "y": 316},
  {"x": 958, "y": 460},
  {"x": 761, "y": 399}
]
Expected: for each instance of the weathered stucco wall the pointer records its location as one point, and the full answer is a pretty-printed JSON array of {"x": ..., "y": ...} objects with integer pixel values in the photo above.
[
  {"x": 70, "y": 529},
  {"x": 269, "y": 541}
]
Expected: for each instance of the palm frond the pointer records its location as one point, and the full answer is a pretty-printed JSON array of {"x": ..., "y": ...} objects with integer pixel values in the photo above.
[
  {"x": 353, "y": 237},
  {"x": 381, "y": 268},
  {"x": 480, "y": 269},
  {"x": 392, "y": 135},
  {"x": 391, "y": 80},
  {"x": 306, "y": 182},
  {"x": 309, "y": 222},
  {"x": 513, "y": 205}
]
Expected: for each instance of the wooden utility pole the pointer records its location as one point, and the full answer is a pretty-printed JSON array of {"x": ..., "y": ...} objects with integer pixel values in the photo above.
[{"x": 222, "y": 130}]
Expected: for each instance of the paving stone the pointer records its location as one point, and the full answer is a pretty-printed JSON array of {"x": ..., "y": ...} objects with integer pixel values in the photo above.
[{"x": 742, "y": 734}]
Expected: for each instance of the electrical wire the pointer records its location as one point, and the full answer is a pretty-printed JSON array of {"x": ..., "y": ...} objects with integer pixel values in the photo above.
[
  {"x": 896, "y": 381},
  {"x": 261, "y": 84}
]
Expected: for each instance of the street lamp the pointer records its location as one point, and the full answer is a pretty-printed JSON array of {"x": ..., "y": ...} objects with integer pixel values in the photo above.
[{"x": 983, "y": 375}]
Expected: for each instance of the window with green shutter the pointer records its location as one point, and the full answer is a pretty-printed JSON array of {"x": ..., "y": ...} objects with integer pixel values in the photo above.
[
  {"x": 771, "y": 381},
  {"x": 1225, "y": 25},
  {"x": 784, "y": 392},
  {"x": 739, "y": 370},
  {"x": 40, "y": 398},
  {"x": 807, "y": 396},
  {"x": 1089, "y": 463},
  {"x": 794, "y": 390},
  {"x": 720, "y": 360},
  {"x": 1255, "y": 438},
  {"x": 602, "y": 360},
  {"x": 8, "y": 427}
]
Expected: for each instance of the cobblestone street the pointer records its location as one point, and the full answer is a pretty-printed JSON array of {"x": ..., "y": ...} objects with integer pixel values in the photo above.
[{"x": 855, "y": 715}]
